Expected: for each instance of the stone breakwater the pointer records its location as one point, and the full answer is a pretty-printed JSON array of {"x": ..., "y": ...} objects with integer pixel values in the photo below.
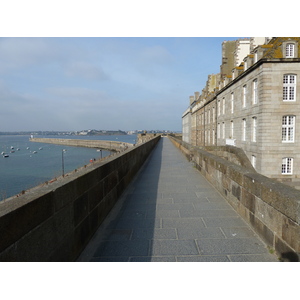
[{"x": 98, "y": 144}]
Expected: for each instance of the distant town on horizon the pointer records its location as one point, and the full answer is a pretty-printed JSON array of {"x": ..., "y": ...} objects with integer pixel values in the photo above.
[{"x": 88, "y": 132}]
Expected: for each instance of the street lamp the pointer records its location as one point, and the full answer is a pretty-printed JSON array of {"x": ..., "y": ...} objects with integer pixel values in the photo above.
[{"x": 62, "y": 161}]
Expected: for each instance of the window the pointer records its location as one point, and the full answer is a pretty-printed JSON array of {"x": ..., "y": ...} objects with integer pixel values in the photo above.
[
  {"x": 231, "y": 129},
  {"x": 253, "y": 161},
  {"x": 254, "y": 95},
  {"x": 232, "y": 103},
  {"x": 289, "y": 87},
  {"x": 255, "y": 57},
  {"x": 223, "y": 105},
  {"x": 219, "y": 107},
  {"x": 288, "y": 129},
  {"x": 219, "y": 131},
  {"x": 287, "y": 165},
  {"x": 244, "y": 130},
  {"x": 244, "y": 95},
  {"x": 254, "y": 125},
  {"x": 223, "y": 130},
  {"x": 289, "y": 50}
]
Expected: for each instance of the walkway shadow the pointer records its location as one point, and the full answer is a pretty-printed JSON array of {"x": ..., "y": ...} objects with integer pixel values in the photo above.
[{"x": 127, "y": 233}]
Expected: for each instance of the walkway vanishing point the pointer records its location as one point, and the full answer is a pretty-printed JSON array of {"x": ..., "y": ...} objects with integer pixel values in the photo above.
[{"x": 170, "y": 213}]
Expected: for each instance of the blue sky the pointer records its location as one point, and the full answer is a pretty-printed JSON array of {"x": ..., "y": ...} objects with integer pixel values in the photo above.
[
  {"x": 74, "y": 65},
  {"x": 113, "y": 83}
]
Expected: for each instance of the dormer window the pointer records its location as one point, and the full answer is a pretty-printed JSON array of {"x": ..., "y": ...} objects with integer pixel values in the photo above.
[{"x": 289, "y": 50}]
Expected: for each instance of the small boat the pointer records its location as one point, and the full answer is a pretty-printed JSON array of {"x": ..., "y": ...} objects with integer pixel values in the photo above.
[
  {"x": 12, "y": 147},
  {"x": 27, "y": 148},
  {"x": 34, "y": 152},
  {"x": 5, "y": 155},
  {"x": 12, "y": 151},
  {"x": 2, "y": 153},
  {"x": 41, "y": 148},
  {"x": 18, "y": 149}
]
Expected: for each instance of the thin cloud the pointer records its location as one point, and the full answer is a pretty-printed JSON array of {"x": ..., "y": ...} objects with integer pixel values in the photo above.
[{"x": 85, "y": 70}]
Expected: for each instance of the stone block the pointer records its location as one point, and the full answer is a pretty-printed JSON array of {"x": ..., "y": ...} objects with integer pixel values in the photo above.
[
  {"x": 82, "y": 235},
  {"x": 268, "y": 215},
  {"x": 282, "y": 249},
  {"x": 291, "y": 234},
  {"x": 274, "y": 192},
  {"x": 236, "y": 190},
  {"x": 65, "y": 194},
  {"x": 95, "y": 195},
  {"x": 236, "y": 174},
  {"x": 252, "y": 184},
  {"x": 81, "y": 208},
  {"x": 110, "y": 181},
  {"x": 263, "y": 231},
  {"x": 248, "y": 200},
  {"x": 18, "y": 222}
]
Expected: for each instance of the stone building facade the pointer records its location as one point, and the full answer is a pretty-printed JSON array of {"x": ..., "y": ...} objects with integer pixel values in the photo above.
[{"x": 256, "y": 108}]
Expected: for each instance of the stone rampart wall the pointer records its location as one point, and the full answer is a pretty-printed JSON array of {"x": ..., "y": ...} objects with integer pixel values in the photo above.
[
  {"x": 270, "y": 207},
  {"x": 56, "y": 221},
  {"x": 101, "y": 144}
]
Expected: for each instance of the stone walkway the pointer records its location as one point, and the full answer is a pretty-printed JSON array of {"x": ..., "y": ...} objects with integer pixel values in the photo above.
[{"x": 170, "y": 213}]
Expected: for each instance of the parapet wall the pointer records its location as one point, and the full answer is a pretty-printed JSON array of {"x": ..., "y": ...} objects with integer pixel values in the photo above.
[
  {"x": 270, "y": 207},
  {"x": 56, "y": 221}
]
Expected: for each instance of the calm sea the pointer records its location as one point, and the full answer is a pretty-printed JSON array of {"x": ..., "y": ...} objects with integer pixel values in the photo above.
[{"x": 24, "y": 169}]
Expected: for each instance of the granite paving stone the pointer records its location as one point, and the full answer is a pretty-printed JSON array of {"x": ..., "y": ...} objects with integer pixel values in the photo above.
[
  {"x": 231, "y": 246},
  {"x": 171, "y": 213}
]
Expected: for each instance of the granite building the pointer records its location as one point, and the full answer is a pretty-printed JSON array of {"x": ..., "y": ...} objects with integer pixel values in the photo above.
[{"x": 253, "y": 104}]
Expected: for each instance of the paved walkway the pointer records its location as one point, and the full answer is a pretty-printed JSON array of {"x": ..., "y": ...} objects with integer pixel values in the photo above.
[{"x": 170, "y": 213}]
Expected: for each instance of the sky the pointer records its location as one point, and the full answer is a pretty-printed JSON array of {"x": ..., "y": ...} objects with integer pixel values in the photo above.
[
  {"x": 126, "y": 83},
  {"x": 121, "y": 65}
]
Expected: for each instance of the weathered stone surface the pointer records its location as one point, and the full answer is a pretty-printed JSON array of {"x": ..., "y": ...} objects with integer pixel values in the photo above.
[
  {"x": 54, "y": 222},
  {"x": 272, "y": 208}
]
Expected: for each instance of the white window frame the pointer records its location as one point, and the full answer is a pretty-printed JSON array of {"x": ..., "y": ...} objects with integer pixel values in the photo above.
[
  {"x": 290, "y": 50},
  {"x": 223, "y": 130},
  {"x": 244, "y": 130},
  {"x": 253, "y": 161},
  {"x": 224, "y": 102},
  {"x": 254, "y": 92},
  {"x": 255, "y": 57},
  {"x": 254, "y": 129},
  {"x": 287, "y": 166},
  {"x": 231, "y": 129},
  {"x": 289, "y": 87},
  {"x": 244, "y": 95},
  {"x": 232, "y": 102},
  {"x": 288, "y": 129}
]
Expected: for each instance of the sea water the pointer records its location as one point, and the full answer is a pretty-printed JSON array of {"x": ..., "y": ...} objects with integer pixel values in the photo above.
[{"x": 24, "y": 169}]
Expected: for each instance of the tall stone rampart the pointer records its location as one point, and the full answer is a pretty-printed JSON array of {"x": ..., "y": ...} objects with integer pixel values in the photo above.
[
  {"x": 270, "y": 207},
  {"x": 55, "y": 222}
]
